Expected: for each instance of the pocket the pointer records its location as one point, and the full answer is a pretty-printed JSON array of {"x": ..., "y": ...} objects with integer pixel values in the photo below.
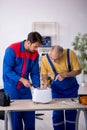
[{"x": 65, "y": 83}]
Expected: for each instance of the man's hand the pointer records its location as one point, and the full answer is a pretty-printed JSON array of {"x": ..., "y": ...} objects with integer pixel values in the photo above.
[
  {"x": 45, "y": 85},
  {"x": 59, "y": 77},
  {"x": 45, "y": 81},
  {"x": 72, "y": 73},
  {"x": 26, "y": 82}
]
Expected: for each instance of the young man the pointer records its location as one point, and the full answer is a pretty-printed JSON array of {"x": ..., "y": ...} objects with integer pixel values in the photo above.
[
  {"x": 20, "y": 64},
  {"x": 62, "y": 65}
]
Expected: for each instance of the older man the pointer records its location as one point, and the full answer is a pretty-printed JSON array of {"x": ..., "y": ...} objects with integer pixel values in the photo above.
[{"x": 62, "y": 65}]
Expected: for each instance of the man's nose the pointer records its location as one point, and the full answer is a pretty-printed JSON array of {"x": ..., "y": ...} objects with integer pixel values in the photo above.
[{"x": 36, "y": 49}]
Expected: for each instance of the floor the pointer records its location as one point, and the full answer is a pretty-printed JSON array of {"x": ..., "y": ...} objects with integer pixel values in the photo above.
[{"x": 46, "y": 122}]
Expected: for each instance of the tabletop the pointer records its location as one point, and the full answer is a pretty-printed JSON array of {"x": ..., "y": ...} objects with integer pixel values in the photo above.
[{"x": 55, "y": 104}]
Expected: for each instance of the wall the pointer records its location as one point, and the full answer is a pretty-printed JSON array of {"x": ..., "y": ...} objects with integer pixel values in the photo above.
[{"x": 16, "y": 17}]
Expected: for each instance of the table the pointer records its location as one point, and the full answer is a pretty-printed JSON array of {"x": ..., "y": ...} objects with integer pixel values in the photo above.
[{"x": 29, "y": 105}]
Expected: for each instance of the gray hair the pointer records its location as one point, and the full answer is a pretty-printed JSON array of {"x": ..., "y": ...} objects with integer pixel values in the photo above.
[{"x": 57, "y": 49}]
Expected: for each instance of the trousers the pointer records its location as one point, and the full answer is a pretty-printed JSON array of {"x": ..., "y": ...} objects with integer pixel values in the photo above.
[{"x": 68, "y": 88}]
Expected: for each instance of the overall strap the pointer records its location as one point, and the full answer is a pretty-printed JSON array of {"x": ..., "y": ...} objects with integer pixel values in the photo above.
[
  {"x": 51, "y": 64},
  {"x": 68, "y": 60}
]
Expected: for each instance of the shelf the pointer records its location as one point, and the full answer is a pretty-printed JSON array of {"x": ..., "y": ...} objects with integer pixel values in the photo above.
[{"x": 47, "y": 29}]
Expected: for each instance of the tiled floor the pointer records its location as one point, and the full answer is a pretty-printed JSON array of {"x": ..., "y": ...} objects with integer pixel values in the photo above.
[{"x": 46, "y": 123}]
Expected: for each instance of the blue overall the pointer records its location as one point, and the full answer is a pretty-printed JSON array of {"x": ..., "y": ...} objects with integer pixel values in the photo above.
[
  {"x": 67, "y": 88},
  {"x": 28, "y": 117},
  {"x": 18, "y": 64}
]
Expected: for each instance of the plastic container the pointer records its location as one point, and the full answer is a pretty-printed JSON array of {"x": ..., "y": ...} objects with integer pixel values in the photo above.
[{"x": 42, "y": 95}]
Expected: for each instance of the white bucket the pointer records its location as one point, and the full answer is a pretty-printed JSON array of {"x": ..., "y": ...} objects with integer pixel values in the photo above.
[{"x": 42, "y": 95}]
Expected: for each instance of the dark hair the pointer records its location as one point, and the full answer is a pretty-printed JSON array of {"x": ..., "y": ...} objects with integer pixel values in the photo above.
[{"x": 34, "y": 37}]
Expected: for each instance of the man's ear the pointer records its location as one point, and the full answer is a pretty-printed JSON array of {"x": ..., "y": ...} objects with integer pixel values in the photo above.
[{"x": 29, "y": 43}]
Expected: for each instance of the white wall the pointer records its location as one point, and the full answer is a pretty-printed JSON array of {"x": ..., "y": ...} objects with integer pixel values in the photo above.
[{"x": 16, "y": 17}]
